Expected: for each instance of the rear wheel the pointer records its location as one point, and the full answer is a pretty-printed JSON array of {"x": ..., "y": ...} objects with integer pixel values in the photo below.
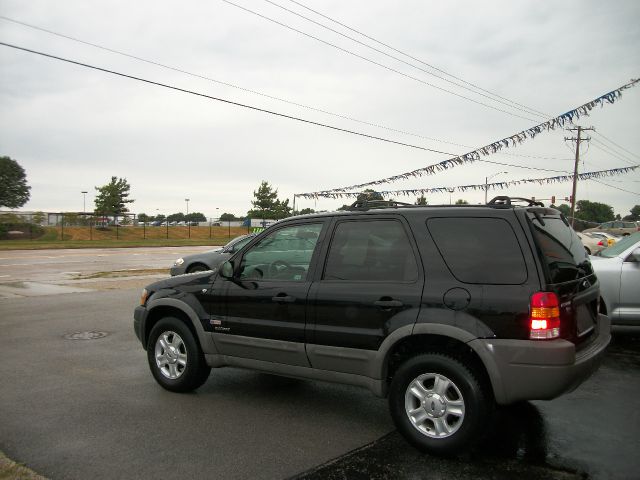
[
  {"x": 438, "y": 404},
  {"x": 175, "y": 358}
]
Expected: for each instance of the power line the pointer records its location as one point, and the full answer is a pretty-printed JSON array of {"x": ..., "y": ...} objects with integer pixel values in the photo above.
[
  {"x": 611, "y": 186},
  {"x": 603, "y": 148},
  {"x": 611, "y": 150},
  {"x": 521, "y": 166},
  {"x": 255, "y": 92},
  {"x": 416, "y": 59},
  {"x": 617, "y": 145},
  {"x": 290, "y": 117},
  {"x": 391, "y": 69},
  {"x": 490, "y": 97}
]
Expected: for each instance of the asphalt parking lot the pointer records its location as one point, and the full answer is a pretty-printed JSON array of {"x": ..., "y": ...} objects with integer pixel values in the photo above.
[{"x": 79, "y": 402}]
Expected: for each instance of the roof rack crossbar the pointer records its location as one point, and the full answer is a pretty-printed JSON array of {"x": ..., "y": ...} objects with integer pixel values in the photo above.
[
  {"x": 369, "y": 204},
  {"x": 504, "y": 200}
]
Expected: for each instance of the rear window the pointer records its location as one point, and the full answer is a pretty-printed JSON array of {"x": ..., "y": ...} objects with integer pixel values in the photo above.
[
  {"x": 560, "y": 247},
  {"x": 479, "y": 250}
]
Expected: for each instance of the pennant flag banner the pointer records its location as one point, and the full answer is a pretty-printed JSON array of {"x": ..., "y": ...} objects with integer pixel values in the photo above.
[
  {"x": 511, "y": 141},
  {"x": 480, "y": 186}
]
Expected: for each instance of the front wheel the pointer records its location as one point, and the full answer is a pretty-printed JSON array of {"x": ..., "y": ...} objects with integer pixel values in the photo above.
[
  {"x": 198, "y": 267},
  {"x": 175, "y": 358},
  {"x": 438, "y": 404}
]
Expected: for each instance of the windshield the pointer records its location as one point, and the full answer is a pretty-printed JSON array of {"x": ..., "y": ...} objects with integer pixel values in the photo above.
[{"x": 620, "y": 246}]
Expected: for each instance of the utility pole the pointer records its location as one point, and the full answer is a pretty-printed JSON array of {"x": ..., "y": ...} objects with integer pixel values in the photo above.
[{"x": 577, "y": 139}]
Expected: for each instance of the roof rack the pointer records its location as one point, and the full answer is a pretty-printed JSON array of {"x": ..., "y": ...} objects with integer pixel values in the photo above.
[
  {"x": 509, "y": 201},
  {"x": 359, "y": 205}
]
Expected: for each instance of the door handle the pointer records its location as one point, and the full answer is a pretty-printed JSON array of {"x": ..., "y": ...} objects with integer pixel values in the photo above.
[
  {"x": 283, "y": 298},
  {"x": 388, "y": 304}
]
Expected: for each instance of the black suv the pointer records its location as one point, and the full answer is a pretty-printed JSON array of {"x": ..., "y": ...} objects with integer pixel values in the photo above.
[{"x": 447, "y": 310}]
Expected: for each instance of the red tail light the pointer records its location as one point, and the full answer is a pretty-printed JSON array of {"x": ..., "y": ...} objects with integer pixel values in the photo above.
[
  {"x": 545, "y": 316},
  {"x": 601, "y": 243}
]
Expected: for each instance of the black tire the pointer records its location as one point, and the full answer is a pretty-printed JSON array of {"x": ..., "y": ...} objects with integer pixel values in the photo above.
[
  {"x": 460, "y": 426},
  {"x": 197, "y": 267},
  {"x": 175, "y": 358}
]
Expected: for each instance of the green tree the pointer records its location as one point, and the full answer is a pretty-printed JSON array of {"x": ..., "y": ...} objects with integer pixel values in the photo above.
[
  {"x": 112, "y": 198},
  {"x": 159, "y": 218},
  {"x": 370, "y": 195},
  {"x": 14, "y": 191},
  {"x": 195, "y": 217},
  {"x": 594, "y": 211},
  {"x": 227, "y": 217},
  {"x": 70, "y": 218},
  {"x": 282, "y": 209},
  {"x": 461, "y": 201},
  {"x": 266, "y": 204},
  {"x": 366, "y": 195},
  {"x": 564, "y": 209},
  {"x": 421, "y": 200},
  {"x": 306, "y": 211},
  {"x": 38, "y": 218},
  {"x": 144, "y": 218},
  {"x": 635, "y": 214},
  {"x": 176, "y": 217}
]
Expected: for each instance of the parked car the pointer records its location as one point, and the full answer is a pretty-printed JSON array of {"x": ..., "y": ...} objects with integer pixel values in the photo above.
[
  {"x": 618, "y": 269},
  {"x": 615, "y": 228},
  {"x": 199, "y": 262},
  {"x": 446, "y": 310},
  {"x": 595, "y": 241}
]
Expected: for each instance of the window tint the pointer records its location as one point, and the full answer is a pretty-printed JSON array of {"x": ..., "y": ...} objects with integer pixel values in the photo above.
[
  {"x": 561, "y": 248},
  {"x": 479, "y": 250},
  {"x": 284, "y": 254},
  {"x": 376, "y": 250},
  {"x": 237, "y": 243}
]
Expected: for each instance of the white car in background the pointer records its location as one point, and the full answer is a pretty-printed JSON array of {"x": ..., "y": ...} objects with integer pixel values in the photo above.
[
  {"x": 618, "y": 269},
  {"x": 594, "y": 242}
]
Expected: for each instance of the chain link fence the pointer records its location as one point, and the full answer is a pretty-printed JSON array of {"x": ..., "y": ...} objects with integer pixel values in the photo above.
[{"x": 74, "y": 226}]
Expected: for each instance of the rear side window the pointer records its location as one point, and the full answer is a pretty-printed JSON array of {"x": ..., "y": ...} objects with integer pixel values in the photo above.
[
  {"x": 561, "y": 249},
  {"x": 371, "y": 250},
  {"x": 479, "y": 250}
]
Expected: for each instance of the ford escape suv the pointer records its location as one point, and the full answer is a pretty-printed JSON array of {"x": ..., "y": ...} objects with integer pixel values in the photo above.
[{"x": 445, "y": 310}]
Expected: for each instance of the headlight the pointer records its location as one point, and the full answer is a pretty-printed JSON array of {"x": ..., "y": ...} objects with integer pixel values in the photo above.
[
  {"x": 178, "y": 262},
  {"x": 144, "y": 296}
]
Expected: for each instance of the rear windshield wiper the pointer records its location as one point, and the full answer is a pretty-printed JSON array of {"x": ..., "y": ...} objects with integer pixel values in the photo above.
[{"x": 539, "y": 218}]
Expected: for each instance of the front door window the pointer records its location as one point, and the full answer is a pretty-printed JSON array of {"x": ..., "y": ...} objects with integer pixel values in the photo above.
[{"x": 284, "y": 255}]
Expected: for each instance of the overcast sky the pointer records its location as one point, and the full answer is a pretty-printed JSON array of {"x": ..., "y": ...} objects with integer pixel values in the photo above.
[{"x": 72, "y": 128}]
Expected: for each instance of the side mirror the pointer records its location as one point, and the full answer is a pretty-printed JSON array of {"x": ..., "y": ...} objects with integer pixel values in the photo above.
[{"x": 226, "y": 270}]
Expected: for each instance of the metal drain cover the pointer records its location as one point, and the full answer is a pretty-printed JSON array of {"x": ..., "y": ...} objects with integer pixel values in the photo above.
[{"x": 93, "y": 335}]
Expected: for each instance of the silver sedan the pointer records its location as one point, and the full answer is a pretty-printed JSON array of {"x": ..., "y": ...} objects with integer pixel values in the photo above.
[
  {"x": 618, "y": 269},
  {"x": 199, "y": 262}
]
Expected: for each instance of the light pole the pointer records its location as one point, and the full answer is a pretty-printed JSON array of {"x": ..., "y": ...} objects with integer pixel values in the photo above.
[
  {"x": 187, "y": 218},
  {"x": 486, "y": 184},
  {"x": 84, "y": 203},
  {"x": 84, "y": 207},
  {"x": 450, "y": 190}
]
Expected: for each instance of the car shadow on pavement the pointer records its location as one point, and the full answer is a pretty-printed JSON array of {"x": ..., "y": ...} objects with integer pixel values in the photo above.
[{"x": 516, "y": 447}]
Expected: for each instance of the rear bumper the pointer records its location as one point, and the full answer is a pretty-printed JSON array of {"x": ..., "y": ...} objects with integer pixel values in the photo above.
[{"x": 540, "y": 370}]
